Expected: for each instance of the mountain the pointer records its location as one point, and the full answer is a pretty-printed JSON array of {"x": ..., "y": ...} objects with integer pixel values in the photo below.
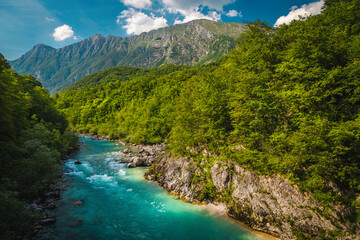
[{"x": 192, "y": 43}]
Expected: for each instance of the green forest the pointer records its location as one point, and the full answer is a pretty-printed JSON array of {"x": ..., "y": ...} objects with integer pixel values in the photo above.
[
  {"x": 285, "y": 100},
  {"x": 34, "y": 137}
]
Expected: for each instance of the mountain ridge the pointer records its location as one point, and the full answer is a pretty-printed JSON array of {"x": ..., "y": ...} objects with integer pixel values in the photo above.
[{"x": 193, "y": 43}]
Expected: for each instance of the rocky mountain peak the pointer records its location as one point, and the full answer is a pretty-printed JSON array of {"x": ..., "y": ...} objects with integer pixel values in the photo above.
[
  {"x": 193, "y": 43},
  {"x": 96, "y": 37}
]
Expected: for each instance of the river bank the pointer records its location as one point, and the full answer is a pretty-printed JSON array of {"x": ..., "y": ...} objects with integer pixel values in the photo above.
[
  {"x": 39, "y": 208},
  {"x": 142, "y": 155},
  {"x": 106, "y": 200},
  {"x": 268, "y": 204}
]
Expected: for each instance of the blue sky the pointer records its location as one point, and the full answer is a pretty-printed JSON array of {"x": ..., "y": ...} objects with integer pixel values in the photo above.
[{"x": 25, "y": 23}]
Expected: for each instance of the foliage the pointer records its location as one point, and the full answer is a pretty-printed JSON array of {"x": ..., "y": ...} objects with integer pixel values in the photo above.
[
  {"x": 33, "y": 138},
  {"x": 286, "y": 101}
]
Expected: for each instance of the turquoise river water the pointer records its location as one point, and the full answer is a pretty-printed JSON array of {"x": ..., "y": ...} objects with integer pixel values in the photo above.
[{"x": 118, "y": 203}]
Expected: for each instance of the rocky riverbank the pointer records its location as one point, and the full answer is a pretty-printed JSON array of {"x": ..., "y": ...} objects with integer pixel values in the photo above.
[
  {"x": 135, "y": 155},
  {"x": 142, "y": 155},
  {"x": 39, "y": 206},
  {"x": 270, "y": 204}
]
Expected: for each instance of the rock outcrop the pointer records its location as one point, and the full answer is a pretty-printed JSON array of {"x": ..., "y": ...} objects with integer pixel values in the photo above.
[
  {"x": 143, "y": 155},
  {"x": 269, "y": 204}
]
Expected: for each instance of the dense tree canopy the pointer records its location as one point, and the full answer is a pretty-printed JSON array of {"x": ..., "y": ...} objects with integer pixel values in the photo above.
[
  {"x": 286, "y": 101},
  {"x": 33, "y": 138}
]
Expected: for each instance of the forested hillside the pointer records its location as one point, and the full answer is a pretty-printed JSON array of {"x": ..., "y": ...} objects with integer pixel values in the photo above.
[
  {"x": 193, "y": 43},
  {"x": 33, "y": 138},
  {"x": 285, "y": 101}
]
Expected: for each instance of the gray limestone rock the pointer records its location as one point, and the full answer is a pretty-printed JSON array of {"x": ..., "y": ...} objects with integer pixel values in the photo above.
[{"x": 270, "y": 204}]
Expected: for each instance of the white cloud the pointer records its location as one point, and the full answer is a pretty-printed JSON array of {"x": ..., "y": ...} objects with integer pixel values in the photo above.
[
  {"x": 137, "y": 3},
  {"x": 189, "y": 9},
  {"x": 63, "y": 32},
  {"x": 138, "y": 22},
  {"x": 191, "y": 5},
  {"x": 214, "y": 16},
  {"x": 305, "y": 11},
  {"x": 49, "y": 19},
  {"x": 234, "y": 13}
]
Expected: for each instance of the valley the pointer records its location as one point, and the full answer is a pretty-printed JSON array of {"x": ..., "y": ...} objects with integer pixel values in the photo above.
[{"x": 261, "y": 120}]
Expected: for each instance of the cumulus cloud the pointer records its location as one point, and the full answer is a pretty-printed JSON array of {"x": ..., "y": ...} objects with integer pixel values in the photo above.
[
  {"x": 191, "y": 5},
  {"x": 137, "y": 3},
  {"x": 233, "y": 13},
  {"x": 189, "y": 9},
  {"x": 138, "y": 22},
  {"x": 63, "y": 32},
  {"x": 305, "y": 11},
  {"x": 213, "y": 15}
]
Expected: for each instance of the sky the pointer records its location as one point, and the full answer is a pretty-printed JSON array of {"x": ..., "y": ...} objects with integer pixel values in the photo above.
[{"x": 25, "y": 23}]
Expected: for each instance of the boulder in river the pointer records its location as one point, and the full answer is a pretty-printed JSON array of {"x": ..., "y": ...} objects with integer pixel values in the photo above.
[
  {"x": 77, "y": 162},
  {"x": 138, "y": 161},
  {"x": 47, "y": 221},
  {"x": 131, "y": 165},
  {"x": 78, "y": 202}
]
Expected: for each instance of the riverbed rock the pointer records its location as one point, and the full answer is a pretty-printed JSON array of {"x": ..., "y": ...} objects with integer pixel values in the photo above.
[
  {"x": 53, "y": 194},
  {"x": 35, "y": 207},
  {"x": 50, "y": 206},
  {"x": 47, "y": 221},
  {"x": 131, "y": 165},
  {"x": 149, "y": 160},
  {"x": 270, "y": 204},
  {"x": 142, "y": 155},
  {"x": 138, "y": 161},
  {"x": 78, "y": 202}
]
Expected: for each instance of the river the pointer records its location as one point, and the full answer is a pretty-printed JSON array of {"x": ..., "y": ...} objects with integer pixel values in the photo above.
[{"x": 118, "y": 203}]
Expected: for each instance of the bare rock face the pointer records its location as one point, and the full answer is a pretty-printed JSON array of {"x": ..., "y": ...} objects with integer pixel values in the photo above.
[
  {"x": 220, "y": 176},
  {"x": 272, "y": 204},
  {"x": 176, "y": 176},
  {"x": 266, "y": 203}
]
